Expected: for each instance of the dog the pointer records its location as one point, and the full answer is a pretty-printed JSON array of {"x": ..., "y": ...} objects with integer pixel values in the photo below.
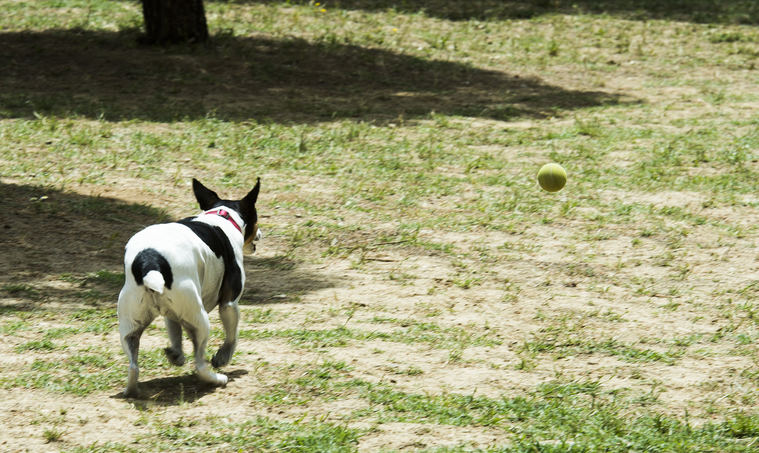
[{"x": 182, "y": 270}]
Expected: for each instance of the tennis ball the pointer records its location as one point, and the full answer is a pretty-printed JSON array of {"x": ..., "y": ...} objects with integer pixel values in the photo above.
[{"x": 552, "y": 177}]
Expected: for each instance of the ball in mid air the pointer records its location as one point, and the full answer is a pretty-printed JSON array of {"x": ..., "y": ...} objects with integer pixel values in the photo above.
[{"x": 552, "y": 177}]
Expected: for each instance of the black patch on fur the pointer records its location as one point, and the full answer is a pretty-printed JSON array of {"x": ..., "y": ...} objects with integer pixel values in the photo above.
[
  {"x": 218, "y": 242},
  {"x": 151, "y": 260}
]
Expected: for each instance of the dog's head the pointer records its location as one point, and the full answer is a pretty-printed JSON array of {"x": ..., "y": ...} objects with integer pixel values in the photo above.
[{"x": 245, "y": 208}]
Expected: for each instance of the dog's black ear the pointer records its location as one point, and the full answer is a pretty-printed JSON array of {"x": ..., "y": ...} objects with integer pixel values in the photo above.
[
  {"x": 248, "y": 205},
  {"x": 252, "y": 196},
  {"x": 206, "y": 197}
]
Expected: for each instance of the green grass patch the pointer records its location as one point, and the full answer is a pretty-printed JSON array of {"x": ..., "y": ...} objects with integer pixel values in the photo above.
[
  {"x": 556, "y": 413},
  {"x": 560, "y": 348},
  {"x": 38, "y": 345},
  {"x": 13, "y": 326},
  {"x": 85, "y": 371},
  {"x": 259, "y": 434},
  {"x": 22, "y": 290},
  {"x": 424, "y": 333}
]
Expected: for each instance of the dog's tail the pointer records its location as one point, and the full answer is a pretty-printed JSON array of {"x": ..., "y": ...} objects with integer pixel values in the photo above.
[
  {"x": 151, "y": 269},
  {"x": 155, "y": 281}
]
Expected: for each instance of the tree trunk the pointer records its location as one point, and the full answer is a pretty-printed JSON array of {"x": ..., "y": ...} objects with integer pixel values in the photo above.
[{"x": 174, "y": 21}]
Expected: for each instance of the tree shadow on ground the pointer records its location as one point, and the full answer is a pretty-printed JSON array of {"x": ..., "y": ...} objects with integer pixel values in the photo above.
[
  {"x": 106, "y": 75},
  {"x": 48, "y": 231},
  {"x": 277, "y": 279},
  {"x": 175, "y": 390},
  {"x": 699, "y": 11},
  {"x": 52, "y": 238}
]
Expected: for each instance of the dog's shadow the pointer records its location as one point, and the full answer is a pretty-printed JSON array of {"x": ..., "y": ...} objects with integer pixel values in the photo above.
[{"x": 175, "y": 390}]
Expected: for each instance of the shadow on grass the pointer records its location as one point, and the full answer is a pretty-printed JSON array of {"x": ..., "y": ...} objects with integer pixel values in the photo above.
[
  {"x": 106, "y": 75},
  {"x": 699, "y": 11},
  {"x": 51, "y": 237},
  {"x": 46, "y": 231},
  {"x": 176, "y": 390},
  {"x": 278, "y": 279}
]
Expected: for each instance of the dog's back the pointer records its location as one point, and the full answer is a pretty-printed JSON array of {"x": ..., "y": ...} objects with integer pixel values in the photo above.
[{"x": 162, "y": 257}]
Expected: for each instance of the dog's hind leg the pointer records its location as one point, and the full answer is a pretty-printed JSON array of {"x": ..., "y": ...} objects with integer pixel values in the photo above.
[
  {"x": 132, "y": 323},
  {"x": 199, "y": 331},
  {"x": 174, "y": 351},
  {"x": 195, "y": 322},
  {"x": 131, "y": 344},
  {"x": 230, "y": 315}
]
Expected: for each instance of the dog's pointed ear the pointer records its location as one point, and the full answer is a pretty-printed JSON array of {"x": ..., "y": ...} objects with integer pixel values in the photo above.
[
  {"x": 205, "y": 196},
  {"x": 248, "y": 206},
  {"x": 252, "y": 196}
]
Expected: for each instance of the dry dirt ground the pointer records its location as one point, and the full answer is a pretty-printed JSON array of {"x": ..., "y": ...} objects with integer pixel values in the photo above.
[{"x": 537, "y": 293}]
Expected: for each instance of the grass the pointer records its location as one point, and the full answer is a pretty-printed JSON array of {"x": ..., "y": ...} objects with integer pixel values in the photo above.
[
  {"x": 413, "y": 333},
  {"x": 578, "y": 414},
  {"x": 611, "y": 347},
  {"x": 261, "y": 434},
  {"x": 52, "y": 435},
  {"x": 415, "y": 290}
]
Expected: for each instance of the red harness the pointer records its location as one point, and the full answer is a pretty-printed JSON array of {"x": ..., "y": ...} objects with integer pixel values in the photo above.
[{"x": 225, "y": 214}]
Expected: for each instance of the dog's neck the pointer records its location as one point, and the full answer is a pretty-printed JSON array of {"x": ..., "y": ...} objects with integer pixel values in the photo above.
[{"x": 221, "y": 212}]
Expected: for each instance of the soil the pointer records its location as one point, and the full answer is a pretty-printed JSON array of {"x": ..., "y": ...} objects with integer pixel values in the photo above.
[{"x": 83, "y": 230}]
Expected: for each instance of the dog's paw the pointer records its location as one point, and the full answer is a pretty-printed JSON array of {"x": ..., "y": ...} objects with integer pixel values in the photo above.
[
  {"x": 223, "y": 355},
  {"x": 131, "y": 392},
  {"x": 218, "y": 362},
  {"x": 175, "y": 357},
  {"x": 213, "y": 378}
]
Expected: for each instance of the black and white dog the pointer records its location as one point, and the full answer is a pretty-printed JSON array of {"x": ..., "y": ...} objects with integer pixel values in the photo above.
[{"x": 182, "y": 270}]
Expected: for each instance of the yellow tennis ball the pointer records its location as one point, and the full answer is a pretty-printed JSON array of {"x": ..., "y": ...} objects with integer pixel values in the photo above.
[{"x": 552, "y": 177}]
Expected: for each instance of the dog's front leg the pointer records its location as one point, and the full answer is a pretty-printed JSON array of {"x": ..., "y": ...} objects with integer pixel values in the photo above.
[
  {"x": 174, "y": 351},
  {"x": 230, "y": 316}
]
